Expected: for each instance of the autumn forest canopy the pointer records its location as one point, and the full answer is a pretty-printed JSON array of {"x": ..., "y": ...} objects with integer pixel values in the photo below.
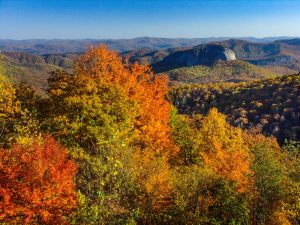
[
  {"x": 112, "y": 141},
  {"x": 149, "y": 112}
]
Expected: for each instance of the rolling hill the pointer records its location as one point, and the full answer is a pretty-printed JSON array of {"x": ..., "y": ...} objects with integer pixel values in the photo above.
[{"x": 232, "y": 71}]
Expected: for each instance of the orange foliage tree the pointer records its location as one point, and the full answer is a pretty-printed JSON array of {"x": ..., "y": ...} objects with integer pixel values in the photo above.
[
  {"x": 36, "y": 184},
  {"x": 152, "y": 128},
  {"x": 109, "y": 104},
  {"x": 151, "y": 134}
]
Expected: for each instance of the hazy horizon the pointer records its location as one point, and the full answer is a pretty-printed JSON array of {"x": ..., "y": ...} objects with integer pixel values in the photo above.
[
  {"x": 127, "y": 19},
  {"x": 208, "y": 37}
]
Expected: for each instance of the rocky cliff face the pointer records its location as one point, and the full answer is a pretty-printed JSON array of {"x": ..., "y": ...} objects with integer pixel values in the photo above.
[
  {"x": 229, "y": 55},
  {"x": 206, "y": 54}
]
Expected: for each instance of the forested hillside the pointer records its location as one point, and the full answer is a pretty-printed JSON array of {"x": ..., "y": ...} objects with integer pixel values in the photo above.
[
  {"x": 233, "y": 71},
  {"x": 278, "y": 53},
  {"x": 34, "y": 70},
  {"x": 272, "y": 105},
  {"x": 107, "y": 147}
]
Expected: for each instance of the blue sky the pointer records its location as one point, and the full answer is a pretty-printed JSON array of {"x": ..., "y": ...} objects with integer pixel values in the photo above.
[{"x": 76, "y": 19}]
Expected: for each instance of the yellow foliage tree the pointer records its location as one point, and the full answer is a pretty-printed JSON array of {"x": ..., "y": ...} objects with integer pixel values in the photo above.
[
  {"x": 9, "y": 106},
  {"x": 224, "y": 150}
]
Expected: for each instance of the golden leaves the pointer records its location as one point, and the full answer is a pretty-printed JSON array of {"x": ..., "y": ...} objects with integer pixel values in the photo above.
[{"x": 224, "y": 150}]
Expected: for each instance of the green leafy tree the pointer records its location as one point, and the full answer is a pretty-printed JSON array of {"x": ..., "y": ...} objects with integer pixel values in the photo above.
[{"x": 276, "y": 193}]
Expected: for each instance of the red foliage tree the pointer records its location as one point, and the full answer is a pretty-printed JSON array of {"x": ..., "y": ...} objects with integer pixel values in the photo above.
[{"x": 36, "y": 184}]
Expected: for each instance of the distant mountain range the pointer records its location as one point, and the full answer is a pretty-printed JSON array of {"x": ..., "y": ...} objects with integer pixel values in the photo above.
[
  {"x": 218, "y": 61},
  {"x": 62, "y": 46},
  {"x": 277, "y": 54}
]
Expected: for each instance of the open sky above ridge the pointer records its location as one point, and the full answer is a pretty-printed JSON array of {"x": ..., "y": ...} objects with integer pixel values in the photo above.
[{"x": 77, "y": 19}]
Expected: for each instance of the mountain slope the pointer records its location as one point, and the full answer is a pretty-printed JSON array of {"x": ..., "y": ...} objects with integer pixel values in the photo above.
[
  {"x": 272, "y": 105},
  {"x": 206, "y": 54},
  {"x": 31, "y": 69},
  {"x": 279, "y": 53},
  {"x": 282, "y": 55}
]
